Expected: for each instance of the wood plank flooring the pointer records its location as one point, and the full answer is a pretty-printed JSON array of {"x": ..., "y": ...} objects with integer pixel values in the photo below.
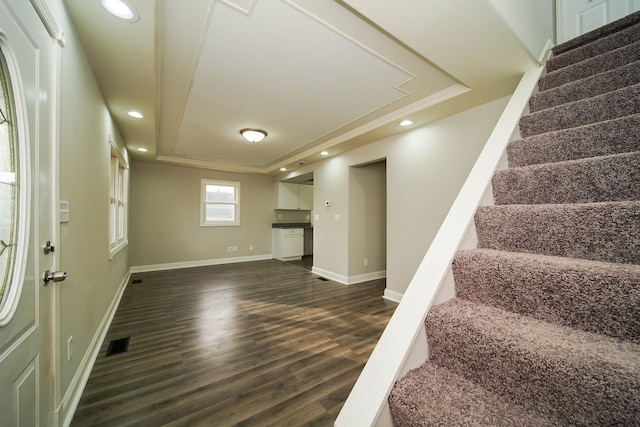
[{"x": 264, "y": 343}]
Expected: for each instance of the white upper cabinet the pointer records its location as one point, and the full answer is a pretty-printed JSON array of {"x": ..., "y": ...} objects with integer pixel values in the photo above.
[
  {"x": 305, "y": 197},
  {"x": 294, "y": 196}
]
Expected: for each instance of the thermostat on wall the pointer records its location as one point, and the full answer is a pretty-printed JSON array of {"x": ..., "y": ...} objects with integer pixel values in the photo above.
[{"x": 327, "y": 202}]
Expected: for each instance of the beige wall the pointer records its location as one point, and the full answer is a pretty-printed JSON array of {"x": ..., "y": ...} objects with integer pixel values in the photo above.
[
  {"x": 425, "y": 169},
  {"x": 165, "y": 216},
  {"x": 531, "y": 21},
  {"x": 93, "y": 280}
]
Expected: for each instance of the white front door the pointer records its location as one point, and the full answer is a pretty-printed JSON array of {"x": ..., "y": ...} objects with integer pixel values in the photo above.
[
  {"x": 26, "y": 216},
  {"x": 576, "y": 17}
]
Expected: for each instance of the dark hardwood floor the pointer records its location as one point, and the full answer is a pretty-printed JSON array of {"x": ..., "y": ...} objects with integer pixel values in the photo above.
[{"x": 264, "y": 343}]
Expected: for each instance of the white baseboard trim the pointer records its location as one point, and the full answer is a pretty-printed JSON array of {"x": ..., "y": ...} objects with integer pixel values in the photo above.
[
  {"x": 392, "y": 295},
  {"x": 199, "y": 263},
  {"x": 375, "y": 275},
  {"x": 348, "y": 280},
  {"x": 329, "y": 275},
  {"x": 72, "y": 397}
]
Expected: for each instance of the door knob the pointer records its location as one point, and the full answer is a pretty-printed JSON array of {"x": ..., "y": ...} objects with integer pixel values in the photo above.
[{"x": 55, "y": 276}]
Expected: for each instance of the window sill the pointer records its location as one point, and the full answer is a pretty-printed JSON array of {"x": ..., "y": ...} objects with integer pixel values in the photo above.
[{"x": 113, "y": 251}]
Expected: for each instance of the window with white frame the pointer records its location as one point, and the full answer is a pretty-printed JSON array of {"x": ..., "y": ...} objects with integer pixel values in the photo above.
[
  {"x": 118, "y": 186},
  {"x": 219, "y": 203}
]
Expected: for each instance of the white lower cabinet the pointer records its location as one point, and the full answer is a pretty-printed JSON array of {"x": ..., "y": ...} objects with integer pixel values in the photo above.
[{"x": 288, "y": 243}]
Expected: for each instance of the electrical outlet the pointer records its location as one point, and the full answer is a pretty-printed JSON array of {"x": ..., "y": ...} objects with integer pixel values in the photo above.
[
  {"x": 366, "y": 261},
  {"x": 232, "y": 249},
  {"x": 250, "y": 247},
  {"x": 69, "y": 348},
  {"x": 336, "y": 217},
  {"x": 279, "y": 216}
]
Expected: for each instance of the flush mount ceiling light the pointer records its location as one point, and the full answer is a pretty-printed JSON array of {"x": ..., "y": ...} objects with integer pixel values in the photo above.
[
  {"x": 253, "y": 135},
  {"x": 135, "y": 114},
  {"x": 324, "y": 153},
  {"x": 142, "y": 149},
  {"x": 121, "y": 9},
  {"x": 405, "y": 123},
  {"x": 283, "y": 169}
]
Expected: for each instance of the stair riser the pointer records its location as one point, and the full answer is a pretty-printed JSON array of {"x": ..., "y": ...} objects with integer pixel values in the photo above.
[
  {"x": 610, "y": 106},
  {"x": 586, "y": 88},
  {"x": 612, "y": 178},
  {"x": 533, "y": 379},
  {"x": 591, "y": 67},
  {"x": 600, "y": 139},
  {"x": 595, "y": 299},
  {"x": 601, "y": 232},
  {"x": 595, "y": 48}
]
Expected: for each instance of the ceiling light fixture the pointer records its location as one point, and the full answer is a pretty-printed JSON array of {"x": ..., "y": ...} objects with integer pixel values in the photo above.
[
  {"x": 122, "y": 9},
  {"x": 135, "y": 114},
  {"x": 283, "y": 169},
  {"x": 406, "y": 123},
  {"x": 324, "y": 153},
  {"x": 253, "y": 135},
  {"x": 142, "y": 149}
]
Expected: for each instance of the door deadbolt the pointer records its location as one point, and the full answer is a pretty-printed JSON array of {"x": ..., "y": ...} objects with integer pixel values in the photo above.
[
  {"x": 55, "y": 276},
  {"x": 48, "y": 247}
]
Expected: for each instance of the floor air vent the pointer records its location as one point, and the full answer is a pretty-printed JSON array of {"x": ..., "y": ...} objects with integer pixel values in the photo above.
[
  {"x": 323, "y": 279},
  {"x": 134, "y": 281},
  {"x": 118, "y": 346}
]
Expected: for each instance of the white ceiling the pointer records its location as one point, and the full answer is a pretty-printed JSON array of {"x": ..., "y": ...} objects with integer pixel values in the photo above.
[{"x": 314, "y": 74}]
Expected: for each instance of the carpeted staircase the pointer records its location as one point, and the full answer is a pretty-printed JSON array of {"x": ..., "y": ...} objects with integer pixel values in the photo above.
[{"x": 545, "y": 328}]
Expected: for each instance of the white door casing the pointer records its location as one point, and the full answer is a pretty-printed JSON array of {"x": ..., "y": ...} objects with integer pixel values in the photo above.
[
  {"x": 576, "y": 17},
  {"x": 27, "y": 340}
]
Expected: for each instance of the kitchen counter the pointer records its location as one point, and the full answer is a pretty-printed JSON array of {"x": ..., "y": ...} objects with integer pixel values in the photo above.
[{"x": 291, "y": 225}]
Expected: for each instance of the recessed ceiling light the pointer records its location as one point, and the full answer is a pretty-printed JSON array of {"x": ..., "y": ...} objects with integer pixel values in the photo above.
[
  {"x": 253, "y": 135},
  {"x": 135, "y": 114},
  {"x": 142, "y": 149},
  {"x": 406, "y": 123},
  {"x": 283, "y": 169},
  {"x": 122, "y": 9},
  {"x": 324, "y": 153}
]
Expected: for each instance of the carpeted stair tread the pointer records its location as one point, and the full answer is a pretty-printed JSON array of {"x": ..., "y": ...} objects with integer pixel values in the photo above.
[
  {"x": 597, "y": 33},
  {"x": 588, "y": 87},
  {"x": 612, "y": 105},
  {"x": 596, "y": 179},
  {"x": 590, "y": 67},
  {"x": 597, "y": 47},
  {"x": 594, "y": 296},
  {"x": 579, "y": 377},
  {"x": 431, "y": 395},
  {"x": 597, "y": 139},
  {"x": 608, "y": 231}
]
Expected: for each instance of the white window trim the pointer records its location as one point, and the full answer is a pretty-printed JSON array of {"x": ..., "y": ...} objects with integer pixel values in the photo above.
[
  {"x": 118, "y": 200},
  {"x": 203, "y": 204}
]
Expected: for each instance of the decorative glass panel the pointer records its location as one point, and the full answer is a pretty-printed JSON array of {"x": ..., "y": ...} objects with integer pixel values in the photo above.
[{"x": 8, "y": 183}]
